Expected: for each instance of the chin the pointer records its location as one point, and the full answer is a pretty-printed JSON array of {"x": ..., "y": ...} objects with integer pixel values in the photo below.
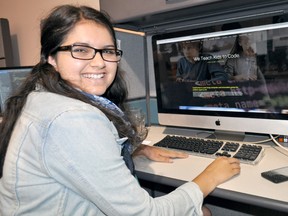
[{"x": 98, "y": 93}]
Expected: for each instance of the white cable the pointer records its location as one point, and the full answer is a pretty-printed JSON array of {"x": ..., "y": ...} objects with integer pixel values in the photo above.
[
  {"x": 277, "y": 143},
  {"x": 261, "y": 141}
]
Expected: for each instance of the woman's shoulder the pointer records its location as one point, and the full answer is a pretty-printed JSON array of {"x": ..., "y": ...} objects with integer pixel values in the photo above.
[
  {"x": 51, "y": 104},
  {"x": 52, "y": 99}
]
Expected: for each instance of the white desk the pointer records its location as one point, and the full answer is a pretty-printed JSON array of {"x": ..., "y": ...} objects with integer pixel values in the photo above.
[{"x": 248, "y": 187}]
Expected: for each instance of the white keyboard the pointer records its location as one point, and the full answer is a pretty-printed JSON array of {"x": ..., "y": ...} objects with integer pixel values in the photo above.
[{"x": 246, "y": 152}]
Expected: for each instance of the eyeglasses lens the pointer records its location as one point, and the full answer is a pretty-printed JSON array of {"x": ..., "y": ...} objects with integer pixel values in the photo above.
[{"x": 87, "y": 53}]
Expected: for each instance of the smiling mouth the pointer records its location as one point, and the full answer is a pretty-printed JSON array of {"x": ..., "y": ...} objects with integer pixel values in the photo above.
[{"x": 93, "y": 76}]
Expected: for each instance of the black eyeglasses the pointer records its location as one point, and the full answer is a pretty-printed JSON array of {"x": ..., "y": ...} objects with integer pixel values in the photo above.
[{"x": 87, "y": 53}]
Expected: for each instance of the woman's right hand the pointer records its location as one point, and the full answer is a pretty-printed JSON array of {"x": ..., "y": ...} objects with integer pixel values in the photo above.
[{"x": 219, "y": 171}]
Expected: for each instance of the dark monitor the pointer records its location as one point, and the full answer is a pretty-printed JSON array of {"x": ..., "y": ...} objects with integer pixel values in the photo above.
[
  {"x": 10, "y": 80},
  {"x": 236, "y": 81}
]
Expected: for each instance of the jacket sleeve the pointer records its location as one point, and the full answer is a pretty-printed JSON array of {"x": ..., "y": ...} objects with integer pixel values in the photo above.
[{"x": 82, "y": 153}]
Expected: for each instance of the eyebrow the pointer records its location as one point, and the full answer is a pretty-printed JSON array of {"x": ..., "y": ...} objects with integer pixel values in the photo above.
[{"x": 86, "y": 44}]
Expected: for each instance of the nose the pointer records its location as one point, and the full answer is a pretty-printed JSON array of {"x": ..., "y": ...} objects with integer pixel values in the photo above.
[{"x": 98, "y": 61}]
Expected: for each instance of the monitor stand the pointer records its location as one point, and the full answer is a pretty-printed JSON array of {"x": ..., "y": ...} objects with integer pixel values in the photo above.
[{"x": 227, "y": 135}]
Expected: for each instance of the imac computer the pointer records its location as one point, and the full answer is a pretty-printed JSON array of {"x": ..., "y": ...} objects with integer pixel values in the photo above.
[
  {"x": 10, "y": 79},
  {"x": 230, "y": 78}
]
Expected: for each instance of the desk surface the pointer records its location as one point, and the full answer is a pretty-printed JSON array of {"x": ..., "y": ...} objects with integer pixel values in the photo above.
[{"x": 248, "y": 187}]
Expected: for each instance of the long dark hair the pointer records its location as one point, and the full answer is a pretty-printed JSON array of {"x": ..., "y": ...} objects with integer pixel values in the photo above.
[
  {"x": 237, "y": 48},
  {"x": 54, "y": 30}
]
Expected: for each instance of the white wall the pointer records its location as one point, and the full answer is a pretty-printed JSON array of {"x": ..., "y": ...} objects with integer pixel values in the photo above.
[{"x": 24, "y": 20}]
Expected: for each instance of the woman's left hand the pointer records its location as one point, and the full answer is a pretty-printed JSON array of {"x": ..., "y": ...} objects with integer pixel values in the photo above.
[{"x": 159, "y": 154}]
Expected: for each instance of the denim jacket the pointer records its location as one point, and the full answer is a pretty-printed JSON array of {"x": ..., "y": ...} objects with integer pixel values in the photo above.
[{"x": 64, "y": 158}]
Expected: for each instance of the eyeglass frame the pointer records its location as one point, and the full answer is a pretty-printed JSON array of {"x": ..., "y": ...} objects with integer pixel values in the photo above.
[{"x": 118, "y": 52}]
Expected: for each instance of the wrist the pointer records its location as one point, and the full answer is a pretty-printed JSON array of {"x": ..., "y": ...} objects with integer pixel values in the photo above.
[
  {"x": 140, "y": 150},
  {"x": 206, "y": 183}
]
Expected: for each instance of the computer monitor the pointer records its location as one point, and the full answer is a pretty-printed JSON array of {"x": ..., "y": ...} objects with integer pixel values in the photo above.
[
  {"x": 224, "y": 88},
  {"x": 10, "y": 80}
]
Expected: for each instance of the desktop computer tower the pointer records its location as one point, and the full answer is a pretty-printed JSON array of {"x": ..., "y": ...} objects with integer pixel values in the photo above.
[{"x": 6, "y": 56}]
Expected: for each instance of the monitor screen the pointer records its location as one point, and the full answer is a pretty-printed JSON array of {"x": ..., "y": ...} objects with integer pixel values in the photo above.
[
  {"x": 232, "y": 77},
  {"x": 10, "y": 80}
]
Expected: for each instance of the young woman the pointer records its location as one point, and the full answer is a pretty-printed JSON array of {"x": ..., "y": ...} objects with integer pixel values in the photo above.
[
  {"x": 243, "y": 66},
  {"x": 66, "y": 141}
]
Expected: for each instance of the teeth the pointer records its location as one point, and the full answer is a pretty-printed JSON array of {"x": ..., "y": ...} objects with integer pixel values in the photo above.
[{"x": 93, "y": 76}]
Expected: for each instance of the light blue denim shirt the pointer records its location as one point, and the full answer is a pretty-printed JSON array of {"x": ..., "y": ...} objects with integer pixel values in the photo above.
[{"x": 64, "y": 158}]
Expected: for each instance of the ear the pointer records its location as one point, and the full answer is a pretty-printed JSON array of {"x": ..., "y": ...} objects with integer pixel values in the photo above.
[{"x": 52, "y": 61}]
